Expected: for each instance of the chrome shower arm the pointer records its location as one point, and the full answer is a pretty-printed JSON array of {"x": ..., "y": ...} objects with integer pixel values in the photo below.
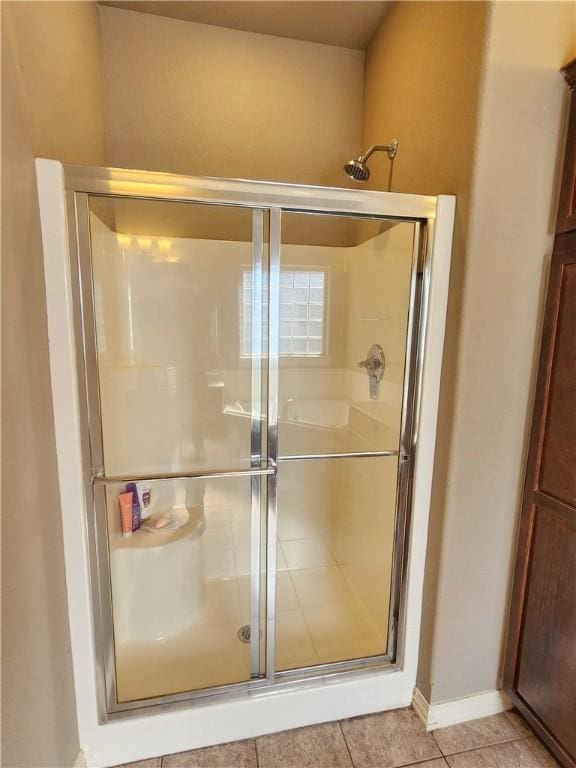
[{"x": 391, "y": 150}]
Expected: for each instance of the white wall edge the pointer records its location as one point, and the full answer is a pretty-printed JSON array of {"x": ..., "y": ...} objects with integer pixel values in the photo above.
[
  {"x": 80, "y": 761},
  {"x": 258, "y": 712},
  {"x": 446, "y": 713}
]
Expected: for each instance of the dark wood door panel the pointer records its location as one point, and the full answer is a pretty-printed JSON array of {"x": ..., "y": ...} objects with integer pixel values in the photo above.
[
  {"x": 546, "y": 671},
  {"x": 540, "y": 662},
  {"x": 567, "y": 207},
  {"x": 558, "y": 457}
]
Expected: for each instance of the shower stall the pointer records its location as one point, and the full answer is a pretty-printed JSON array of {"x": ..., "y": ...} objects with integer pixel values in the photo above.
[{"x": 263, "y": 359}]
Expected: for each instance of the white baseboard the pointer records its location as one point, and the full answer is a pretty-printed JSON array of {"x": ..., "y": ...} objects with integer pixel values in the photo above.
[
  {"x": 421, "y": 706},
  {"x": 459, "y": 710},
  {"x": 80, "y": 761}
]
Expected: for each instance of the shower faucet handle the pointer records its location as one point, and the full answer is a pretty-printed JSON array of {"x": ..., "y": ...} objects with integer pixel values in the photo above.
[
  {"x": 374, "y": 362},
  {"x": 374, "y": 365}
]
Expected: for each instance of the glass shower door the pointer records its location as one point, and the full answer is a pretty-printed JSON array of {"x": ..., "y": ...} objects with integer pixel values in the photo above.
[
  {"x": 346, "y": 299},
  {"x": 256, "y": 388},
  {"x": 180, "y": 318}
]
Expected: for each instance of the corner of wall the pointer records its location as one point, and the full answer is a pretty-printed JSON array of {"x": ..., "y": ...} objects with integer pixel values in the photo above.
[{"x": 509, "y": 234}]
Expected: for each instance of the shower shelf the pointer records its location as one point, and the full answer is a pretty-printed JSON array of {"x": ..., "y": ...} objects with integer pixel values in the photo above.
[{"x": 153, "y": 539}]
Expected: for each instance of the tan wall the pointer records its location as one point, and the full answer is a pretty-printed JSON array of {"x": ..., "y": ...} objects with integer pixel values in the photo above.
[
  {"x": 421, "y": 86},
  {"x": 197, "y": 99},
  {"x": 423, "y": 89},
  {"x": 482, "y": 441},
  {"x": 51, "y": 107},
  {"x": 433, "y": 107}
]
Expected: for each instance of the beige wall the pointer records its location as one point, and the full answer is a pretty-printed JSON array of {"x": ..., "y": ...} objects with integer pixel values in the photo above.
[
  {"x": 482, "y": 443},
  {"x": 51, "y": 107},
  {"x": 197, "y": 99},
  {"x": 483, "y": 123},
  {"x": 421, "y": 86},
  {"x": 424, "y": 88}
]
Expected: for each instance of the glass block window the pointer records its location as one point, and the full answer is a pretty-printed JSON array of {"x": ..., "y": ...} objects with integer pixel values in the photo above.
[
  {"x": 302, "y": 322},
  {"x": 302, "y": 313}
]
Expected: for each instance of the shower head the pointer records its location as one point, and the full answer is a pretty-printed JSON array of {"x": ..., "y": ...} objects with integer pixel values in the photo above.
[{"x": 359, "y": 171}]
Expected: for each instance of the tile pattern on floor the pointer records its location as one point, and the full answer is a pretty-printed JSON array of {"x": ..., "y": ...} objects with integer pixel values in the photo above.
[
  {"x": 240, "y": 754},
  {"x": 389, "y": 739},
  {"x": 476, "y": 733},
  {"x": 510, "y": 754},
  {"x": 395, "y": 739},
  {"x": 317, "y": 745}
]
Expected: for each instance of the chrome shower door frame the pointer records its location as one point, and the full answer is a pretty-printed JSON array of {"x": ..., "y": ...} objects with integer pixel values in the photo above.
[{"x": 80, "y": 183}]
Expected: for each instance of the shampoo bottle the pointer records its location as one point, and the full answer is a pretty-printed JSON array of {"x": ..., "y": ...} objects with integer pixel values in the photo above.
[
  {"x": 144, "y": 499},
  {"x": 131, "y": 488}
]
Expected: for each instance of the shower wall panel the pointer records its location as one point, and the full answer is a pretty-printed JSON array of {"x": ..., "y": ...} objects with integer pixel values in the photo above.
[{"x": 169, "y": 329}]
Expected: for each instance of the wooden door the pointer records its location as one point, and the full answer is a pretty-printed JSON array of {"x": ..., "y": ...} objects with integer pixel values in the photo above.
[{"x": 540, "y": 668}]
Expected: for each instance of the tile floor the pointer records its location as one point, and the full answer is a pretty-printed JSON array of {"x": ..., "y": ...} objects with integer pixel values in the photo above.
[
  {"x": 383, "y": 740},
  {"x": 321, "y": 617}
]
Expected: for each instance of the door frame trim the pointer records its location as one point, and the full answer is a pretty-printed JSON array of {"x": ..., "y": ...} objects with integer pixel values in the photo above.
[{"x": 247, "y": 193}]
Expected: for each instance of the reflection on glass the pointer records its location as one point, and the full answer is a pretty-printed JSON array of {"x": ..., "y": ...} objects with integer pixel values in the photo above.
[
  {"x": 335, "y": 541},
  {"x": 175, "y": 387},
  {"x": 181, "y": 593},
  {"x": 344, "y": 286}
]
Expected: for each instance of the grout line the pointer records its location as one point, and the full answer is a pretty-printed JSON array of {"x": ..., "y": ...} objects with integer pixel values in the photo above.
[
  {"x": 421, "y": 762},
  {"x": 301, "y": 609},
  {"x": 438, "y": 745},
  {"x": 356, "y": 601},
  {"x": 289, "y": 572},
  {"x": 479, "y": 746},
  {"x": 481, "y": 749},
  {"x": 309, "y": 633},
  {"x": 346, "y": 743},
  {"x": 357, "y": 597},
  {"x": 256, "y": 752}
]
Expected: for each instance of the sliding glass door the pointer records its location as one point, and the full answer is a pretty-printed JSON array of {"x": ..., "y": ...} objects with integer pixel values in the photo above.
[
  {"x": 345, "y": 298},
  {"x": 250, "y": 385},
  {"x": 180, "y": 326}
]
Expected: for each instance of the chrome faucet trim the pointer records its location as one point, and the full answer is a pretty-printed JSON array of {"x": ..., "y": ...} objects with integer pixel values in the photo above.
[{"x": 374, "y": 365}]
